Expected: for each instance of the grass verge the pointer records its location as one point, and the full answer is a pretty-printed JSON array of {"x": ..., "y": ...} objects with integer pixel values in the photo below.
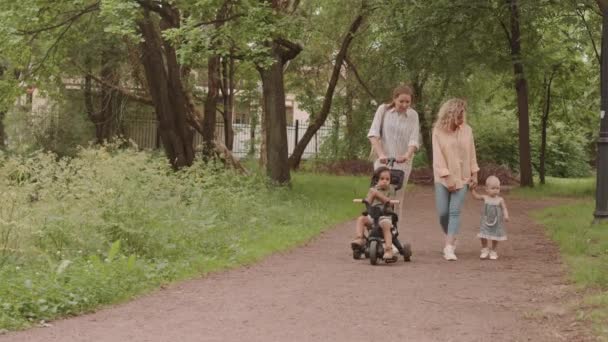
[{"x": 583, "y": 245}]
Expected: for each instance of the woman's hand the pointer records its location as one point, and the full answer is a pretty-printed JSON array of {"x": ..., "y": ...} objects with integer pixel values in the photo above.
[
  {"x": 383, "y": 159},
  {"x": 404, "y": 158},
  {"x": 450, "y": 183},
  {"x": 473, "y": 181}
]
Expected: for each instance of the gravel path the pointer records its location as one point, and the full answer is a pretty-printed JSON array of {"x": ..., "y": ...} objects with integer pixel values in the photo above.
[{"x": 318, "y": 293}]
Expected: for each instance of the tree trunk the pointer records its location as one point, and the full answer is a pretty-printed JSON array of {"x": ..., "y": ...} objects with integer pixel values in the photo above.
[
  {"x": 263, "y": 161},
  {"x": 601, "y": 186},
  {"x": 275, "y": 121},
  {"x": 228, "y": 97},
  {"x": 2, "y": 132},
  {"x": 426, "y": 114},
  {"x": 350, "y": 135},
  {"x": 106, "y": 124},
  {"x": 167, "y": 92},
  {"x": 213, "y": 94},
  {"x": 296, "y": 156},
  {"x": 521, "y": 87},
  {"x": 103, "y": 119},
  {"x": 2, "y": 114},
  {"x": 544, "y": 122}
]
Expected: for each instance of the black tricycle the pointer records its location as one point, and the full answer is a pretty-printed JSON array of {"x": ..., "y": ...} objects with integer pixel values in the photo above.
[{"x": 374, "y": 244}]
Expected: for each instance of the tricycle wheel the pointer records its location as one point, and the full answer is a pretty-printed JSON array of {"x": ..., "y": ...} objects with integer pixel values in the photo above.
[
  {"x": 373, "y": 252},
  {"x": 407, "y": 252}
]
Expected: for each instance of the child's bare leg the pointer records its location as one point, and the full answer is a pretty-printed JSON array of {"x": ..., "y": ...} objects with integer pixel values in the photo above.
[
  {"x": 362, "y": 222},
  {"x": 485, "y": 252},
  {"x": 493, "y": 254},
  {"x": 388, "y": 239}
]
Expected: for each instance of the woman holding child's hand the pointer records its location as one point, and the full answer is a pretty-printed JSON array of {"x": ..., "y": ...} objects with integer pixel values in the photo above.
[{"x": 454, "y": 167}]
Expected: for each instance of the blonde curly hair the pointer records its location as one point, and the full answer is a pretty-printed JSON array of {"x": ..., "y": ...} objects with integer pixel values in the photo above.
[{"x": 449, "y": 111}]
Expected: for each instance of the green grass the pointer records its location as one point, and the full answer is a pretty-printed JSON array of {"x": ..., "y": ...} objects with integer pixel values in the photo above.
[
  {"x": 77, "y": 234},
  {"x": 583, "y": 245},
  {"x": 559, "y": 187}
]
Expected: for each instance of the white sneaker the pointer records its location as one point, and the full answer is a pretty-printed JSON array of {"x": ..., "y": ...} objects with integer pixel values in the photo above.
[
  {"x": 448, "y": 253},
  {"x": 485, "y": 252},
  {"x": 493, "y": 255}
]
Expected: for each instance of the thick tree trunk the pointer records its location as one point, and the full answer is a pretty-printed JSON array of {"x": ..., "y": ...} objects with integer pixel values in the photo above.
[
  {"x": 166, "y": 90},
  {"x": 296, "y": 156},
  {"x": 275, "y": 121},
  {"x": 521, "y": 86}
]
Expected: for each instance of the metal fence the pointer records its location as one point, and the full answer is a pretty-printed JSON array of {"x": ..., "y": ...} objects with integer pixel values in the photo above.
[{"x": 144, "y": 133}]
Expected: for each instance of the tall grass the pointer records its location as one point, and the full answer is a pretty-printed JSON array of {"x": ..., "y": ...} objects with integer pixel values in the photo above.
[{"x": 110, "y": 224}]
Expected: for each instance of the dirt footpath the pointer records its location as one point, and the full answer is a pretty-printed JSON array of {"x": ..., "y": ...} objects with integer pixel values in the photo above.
[{"x": 319, "y": 293}]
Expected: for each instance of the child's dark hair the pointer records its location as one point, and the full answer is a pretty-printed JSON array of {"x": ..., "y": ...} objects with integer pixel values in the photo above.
[{"x": 378, "y": 172}]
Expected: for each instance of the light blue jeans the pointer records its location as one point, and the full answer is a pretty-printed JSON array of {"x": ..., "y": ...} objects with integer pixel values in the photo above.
[{"x": 448, "y": 207}]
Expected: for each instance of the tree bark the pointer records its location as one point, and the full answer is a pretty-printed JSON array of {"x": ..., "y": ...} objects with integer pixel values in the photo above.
[
  {"x": 228, "y": 99},
  {"x": 544, "y": 122},
  {"x": 350, "y": 124},
  {"x": 2, "y": 132},
  {"x": 105, "y": 118},
  {"x": 521, "y": 87},
  {"x": 296, "y": 156},
  {"x": 167, "y": 92},
  {"x": 275, "y": 121},
  {"x": 209, "y": 118}
]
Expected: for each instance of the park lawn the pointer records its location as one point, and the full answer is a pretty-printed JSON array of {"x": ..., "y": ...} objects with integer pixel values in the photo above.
[
  {"x": 108, "y": 226},
  {"x": 583, "y": 245}
]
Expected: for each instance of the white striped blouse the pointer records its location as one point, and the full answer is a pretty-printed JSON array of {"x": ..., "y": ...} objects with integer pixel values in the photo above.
[{"x": 400, "y": 130}]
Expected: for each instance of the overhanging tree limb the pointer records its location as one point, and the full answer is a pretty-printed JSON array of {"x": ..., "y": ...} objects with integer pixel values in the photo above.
[
  {"x": 352, "y": 67},
  {"x": 582, "y": 16},
  {"x": 296, "y": 157},
  {"x": 91, "y": 8},
  {"x": 121, "y": 90}
]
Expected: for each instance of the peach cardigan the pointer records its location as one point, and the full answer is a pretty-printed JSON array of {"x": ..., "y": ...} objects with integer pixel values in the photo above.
[{"x": 454, "y": 154}]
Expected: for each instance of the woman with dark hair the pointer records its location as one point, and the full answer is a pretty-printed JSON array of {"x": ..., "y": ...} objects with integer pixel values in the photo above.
[{"x": 395, "y": 134}]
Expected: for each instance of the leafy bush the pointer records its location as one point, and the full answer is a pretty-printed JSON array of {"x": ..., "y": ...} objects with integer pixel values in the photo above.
[
  {"x": 567, "y": 155},
  {"x": 110, "y": 223}
]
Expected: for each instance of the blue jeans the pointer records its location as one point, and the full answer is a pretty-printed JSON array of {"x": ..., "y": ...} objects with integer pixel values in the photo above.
[{"x": 448, "y": 207}]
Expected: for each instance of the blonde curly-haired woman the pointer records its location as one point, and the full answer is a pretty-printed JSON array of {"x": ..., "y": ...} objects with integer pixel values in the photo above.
[{"x": 454, "y": 167}]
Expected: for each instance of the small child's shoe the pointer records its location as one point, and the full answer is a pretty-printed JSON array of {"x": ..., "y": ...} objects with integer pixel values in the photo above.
[
  {"x": 485, "y": 252},
  {"x": 493, "y": 255},
  {"x": 388, "y": 255},
  {"x": 357, "y": 243}
]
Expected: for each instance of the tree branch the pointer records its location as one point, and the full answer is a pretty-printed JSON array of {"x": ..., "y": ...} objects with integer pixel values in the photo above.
[
  {"x": 597, "y": 54},
  {"x": 123, "y": 91},
  {"x": 291, "y": 49},
  {"x": 352, "y": 67},
  {"x": 70, "y": 20},
  {"x": 219, "y": 21}
]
